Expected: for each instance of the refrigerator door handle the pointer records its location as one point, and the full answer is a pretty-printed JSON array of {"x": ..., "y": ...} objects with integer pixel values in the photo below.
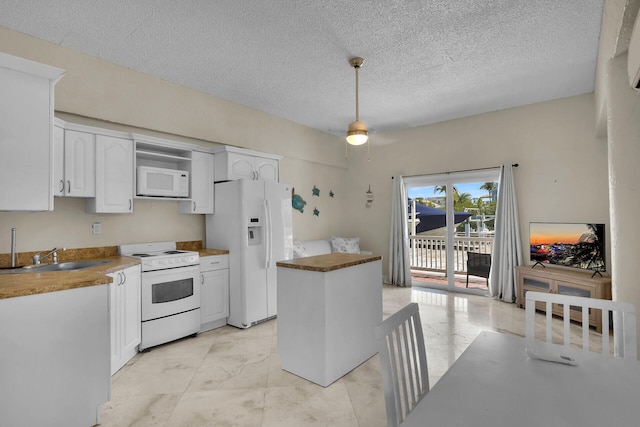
[{"x": 267, "y": 234}]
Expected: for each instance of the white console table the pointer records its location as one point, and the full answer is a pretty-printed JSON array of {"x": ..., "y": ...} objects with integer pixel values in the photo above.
[{"x": 328, "y": 308}]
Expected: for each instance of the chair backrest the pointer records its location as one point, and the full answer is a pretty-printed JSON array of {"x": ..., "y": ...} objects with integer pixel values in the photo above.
[
  {"x": 623, "y": 315},
  {"x": 476, "y": 259},
  {"x": 404, "y": 362}
]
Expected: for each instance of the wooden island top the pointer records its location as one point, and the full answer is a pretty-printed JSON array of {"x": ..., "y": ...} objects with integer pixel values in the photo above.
[{"x": 328, "y": 262}]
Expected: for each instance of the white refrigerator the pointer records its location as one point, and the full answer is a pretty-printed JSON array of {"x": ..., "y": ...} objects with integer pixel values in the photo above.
[{"x": 252, "y": 220}]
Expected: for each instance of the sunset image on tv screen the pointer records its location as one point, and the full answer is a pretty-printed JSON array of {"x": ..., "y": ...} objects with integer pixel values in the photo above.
[{"x": 570, "y": 245}]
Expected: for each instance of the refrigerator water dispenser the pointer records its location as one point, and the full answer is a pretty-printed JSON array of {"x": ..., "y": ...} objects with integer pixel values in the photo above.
[{"x": 254, "y": 232}]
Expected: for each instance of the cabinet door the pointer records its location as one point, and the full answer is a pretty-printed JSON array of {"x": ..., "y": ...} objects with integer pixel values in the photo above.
[
  {"x": 79, "y": 164},
  {"x": 267, "y": 169},
  {"x": 58, "y": 162},
  {"x": 114, "y": 315},
  {"x": 131, "y": 315},
  {"x": 125, "y": 316},
  {"x": 202, "y": 173},
  {"x": 114, "y": 176},
  {"x": 26, "y": 112},
  {"x": 240, "y": 166},
  {"x": 215, "y": 295}
]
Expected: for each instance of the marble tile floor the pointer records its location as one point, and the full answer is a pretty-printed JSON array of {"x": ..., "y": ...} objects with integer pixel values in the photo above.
[{"x": 233, "y": 377}]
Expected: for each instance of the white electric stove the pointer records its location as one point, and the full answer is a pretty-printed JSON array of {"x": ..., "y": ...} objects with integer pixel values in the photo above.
[{"x": 170, "y": 291}]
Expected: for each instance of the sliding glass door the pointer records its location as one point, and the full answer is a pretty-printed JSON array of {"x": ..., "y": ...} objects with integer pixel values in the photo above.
[{"x": 451, "y": 228}]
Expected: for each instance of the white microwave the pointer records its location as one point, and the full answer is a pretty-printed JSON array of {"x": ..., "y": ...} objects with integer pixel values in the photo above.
[{"x": 160, "y": 182}]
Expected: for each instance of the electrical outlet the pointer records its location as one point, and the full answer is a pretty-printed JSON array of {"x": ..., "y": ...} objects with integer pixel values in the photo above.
[{"x": 96, "y": 228}]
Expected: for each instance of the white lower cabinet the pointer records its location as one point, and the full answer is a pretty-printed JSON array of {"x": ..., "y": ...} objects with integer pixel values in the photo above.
[
  {"x": 214, "y": 297},
  {"x": 125, "y": 316},
  {"x": 54, "y": 360}
]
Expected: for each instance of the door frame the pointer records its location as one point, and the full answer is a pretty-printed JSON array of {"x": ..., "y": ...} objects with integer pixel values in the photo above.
[{"x": 449, "y": 179}]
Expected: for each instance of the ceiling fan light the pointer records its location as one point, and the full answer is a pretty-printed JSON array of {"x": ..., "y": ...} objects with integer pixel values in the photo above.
[{"x": 357, "y": 134}]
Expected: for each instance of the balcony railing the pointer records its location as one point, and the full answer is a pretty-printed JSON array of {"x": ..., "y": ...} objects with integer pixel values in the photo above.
[{"x": 430, "y": 252}]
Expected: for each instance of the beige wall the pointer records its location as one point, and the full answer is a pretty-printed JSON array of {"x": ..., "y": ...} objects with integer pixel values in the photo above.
[
  {"x": 562, "y": 175},
  {"x": 623, "y": 118}
]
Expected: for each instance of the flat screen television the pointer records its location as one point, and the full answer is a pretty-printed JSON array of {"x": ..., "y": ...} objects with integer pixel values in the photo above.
[{"x": 572, "y": 245}]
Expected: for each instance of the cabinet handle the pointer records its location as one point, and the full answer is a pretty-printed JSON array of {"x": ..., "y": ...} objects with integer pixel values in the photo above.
[
  {"x": 194, "y": 206},
  {"x": 61, "y": 186},
  {"x": 202, "y": 279},
  {"x": 130, "y": 205},
  {"x": 124, "y": 278}
]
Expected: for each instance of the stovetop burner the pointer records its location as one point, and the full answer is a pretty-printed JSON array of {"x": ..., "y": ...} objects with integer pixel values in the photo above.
[
  {"x": 145, "y": 254},
  {"x": 160, "y": 256}
]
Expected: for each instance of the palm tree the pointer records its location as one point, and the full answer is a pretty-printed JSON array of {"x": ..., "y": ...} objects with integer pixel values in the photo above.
[
  {"x": 443, "y": 189},
  {"x": 489, "y": 186},
  {"x": 461, "y": 201}
]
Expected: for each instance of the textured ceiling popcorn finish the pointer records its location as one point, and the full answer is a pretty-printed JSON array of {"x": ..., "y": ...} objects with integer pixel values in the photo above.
[{"x": 425, "y": 61}]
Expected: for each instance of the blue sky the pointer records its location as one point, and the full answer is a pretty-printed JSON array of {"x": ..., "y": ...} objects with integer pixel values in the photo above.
[{"x": 471, "y": 188}]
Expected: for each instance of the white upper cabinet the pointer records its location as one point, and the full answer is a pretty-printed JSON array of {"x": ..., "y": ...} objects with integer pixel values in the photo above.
[
  {"x": 26, "y": 134},
  {"x": 79, "y": 171},
  {"x": 267, "y": 169},
  {"x": 114, "y": 176},
  {"x": 58, "y": 160},
  {"x": 235, "y": 163},
  {"x": 202, "y": 170}
]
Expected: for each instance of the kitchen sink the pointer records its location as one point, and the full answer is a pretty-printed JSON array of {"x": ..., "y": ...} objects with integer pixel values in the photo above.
[{"x": 61, "y": 266}]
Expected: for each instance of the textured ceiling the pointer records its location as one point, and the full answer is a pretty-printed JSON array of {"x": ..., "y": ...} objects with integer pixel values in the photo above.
[{"x": 425, "y": 61}]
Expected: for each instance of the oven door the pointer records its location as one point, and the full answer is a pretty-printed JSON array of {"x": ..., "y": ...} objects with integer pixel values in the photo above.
[{"x": 168, "y": 292}]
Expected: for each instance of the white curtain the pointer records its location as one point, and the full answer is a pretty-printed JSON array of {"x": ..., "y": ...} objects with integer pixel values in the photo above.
[
  {"x": 507, "y": 252},
  {"x": 399, "y": 266}
]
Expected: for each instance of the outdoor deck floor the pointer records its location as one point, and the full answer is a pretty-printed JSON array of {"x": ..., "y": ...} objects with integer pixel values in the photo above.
[{"x": 432, "y": 277}]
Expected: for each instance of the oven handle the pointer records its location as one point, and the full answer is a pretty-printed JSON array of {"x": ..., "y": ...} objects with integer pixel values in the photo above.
[{"x": 182, "y": 271}]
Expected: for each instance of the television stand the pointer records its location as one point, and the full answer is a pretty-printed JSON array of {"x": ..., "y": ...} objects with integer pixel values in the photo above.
[{"x": 563, "y": 281}]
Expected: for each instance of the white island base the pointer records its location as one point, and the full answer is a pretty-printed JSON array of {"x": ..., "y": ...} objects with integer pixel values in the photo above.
[{"x": 328, "y": 308}]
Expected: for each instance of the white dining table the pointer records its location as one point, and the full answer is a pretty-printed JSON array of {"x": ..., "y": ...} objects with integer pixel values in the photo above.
[{"x": 494, "y": 383}]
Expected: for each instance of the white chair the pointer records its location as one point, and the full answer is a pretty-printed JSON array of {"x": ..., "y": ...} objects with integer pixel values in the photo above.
[
  {"x": 404, "y": 363},
  {"x": 624, "y": 321}
]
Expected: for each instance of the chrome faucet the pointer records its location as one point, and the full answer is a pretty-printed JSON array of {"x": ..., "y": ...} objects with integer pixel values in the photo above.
[
  {"x": 54, "y": 256},
  {"x": 13, "y": 247}
]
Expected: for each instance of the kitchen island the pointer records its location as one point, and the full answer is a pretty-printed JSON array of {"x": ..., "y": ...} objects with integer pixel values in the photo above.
[{"x": 328, "y": 307}]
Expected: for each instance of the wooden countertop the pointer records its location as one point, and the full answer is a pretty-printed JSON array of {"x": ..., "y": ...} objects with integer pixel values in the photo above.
[
  {"x": 328, "y": 262},
  {"x": 23, "y": 284},
  {"x": 212, "y": 252}
]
